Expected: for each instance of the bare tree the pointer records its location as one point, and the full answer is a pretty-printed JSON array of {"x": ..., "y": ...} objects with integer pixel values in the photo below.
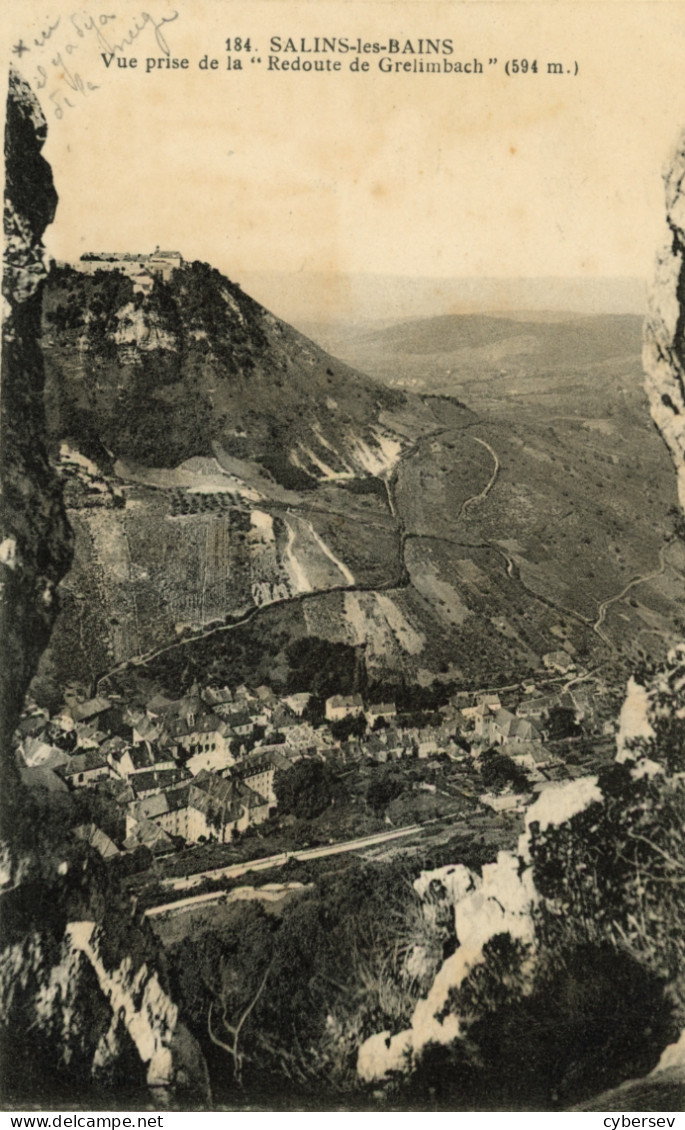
[{"x": 233, "y": 1030}]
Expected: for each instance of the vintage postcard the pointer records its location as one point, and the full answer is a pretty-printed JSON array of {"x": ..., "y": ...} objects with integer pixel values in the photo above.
[{"x": 343, "y": 557}]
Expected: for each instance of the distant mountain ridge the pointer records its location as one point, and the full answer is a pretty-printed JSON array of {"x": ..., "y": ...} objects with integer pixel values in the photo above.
[
  {"x": 600, "y": 336},
  {"x": 420, "y": 353},
  {"x": 342, "y": 298}
]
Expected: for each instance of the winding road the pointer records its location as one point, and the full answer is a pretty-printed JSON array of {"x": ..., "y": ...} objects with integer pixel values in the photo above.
[
  {"x": 476, "y": 499},
  {"x": 606, "y": 604}
]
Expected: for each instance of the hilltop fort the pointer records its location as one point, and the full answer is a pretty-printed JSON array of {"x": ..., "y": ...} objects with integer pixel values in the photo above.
[{"x": 140, "y": 267}]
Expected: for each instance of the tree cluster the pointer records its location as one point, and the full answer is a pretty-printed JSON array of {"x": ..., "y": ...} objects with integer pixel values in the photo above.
[{"x": 304, "y": 790}]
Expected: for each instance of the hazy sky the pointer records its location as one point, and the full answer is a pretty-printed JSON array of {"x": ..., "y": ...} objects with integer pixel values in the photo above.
[{"x": 385, "y": 174}]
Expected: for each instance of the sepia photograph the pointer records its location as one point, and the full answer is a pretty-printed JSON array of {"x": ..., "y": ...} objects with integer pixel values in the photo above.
[{"x": 342, "y": 552}]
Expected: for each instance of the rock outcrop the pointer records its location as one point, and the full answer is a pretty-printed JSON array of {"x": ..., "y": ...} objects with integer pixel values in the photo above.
[
  {"x": 503, "y": 900},
  {"x": 84, "y": 1004},
  {"x": 664, "y": 339},
  {"x": 664, "y": 365},
  {"x": 35, "y": 541},
  {"x": 86, "y": 1010},
  {"x": 561, "y": 916}
]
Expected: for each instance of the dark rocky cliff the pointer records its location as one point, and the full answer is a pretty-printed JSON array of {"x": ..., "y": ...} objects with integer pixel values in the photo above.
[
  {"x": 85, "y": 1011},
  {"x": 664, "y": 341},
  {"x": 35, "y": 541}
]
